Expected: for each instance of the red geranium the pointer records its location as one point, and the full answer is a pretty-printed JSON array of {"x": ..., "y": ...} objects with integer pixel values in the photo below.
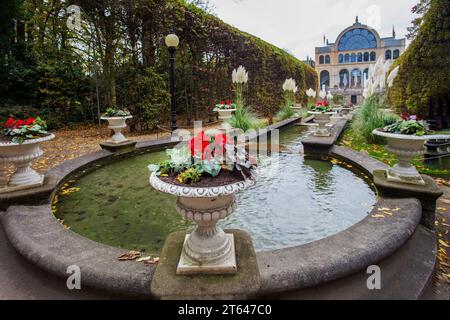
[{"x": 198, "y": 144}]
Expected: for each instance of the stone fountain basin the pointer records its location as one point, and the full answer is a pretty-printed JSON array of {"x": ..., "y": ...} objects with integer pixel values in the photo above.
[{"x": 39, "y": 237}]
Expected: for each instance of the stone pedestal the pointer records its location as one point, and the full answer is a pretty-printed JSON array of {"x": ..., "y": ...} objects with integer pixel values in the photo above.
[
  {"x": 208, "y": 249},
  {"x": 124, "y": 147},
  {"x": 427, "y": 194},
  {"x": 244, "y": 284}
]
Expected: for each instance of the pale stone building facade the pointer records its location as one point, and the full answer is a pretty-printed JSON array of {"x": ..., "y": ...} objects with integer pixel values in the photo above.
[{"x": 343, "y": 66}]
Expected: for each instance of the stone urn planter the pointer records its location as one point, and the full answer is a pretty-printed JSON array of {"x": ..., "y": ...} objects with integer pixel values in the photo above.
[
  {"x": 224, "y": 116},
  {"x": 208, "y": 249},
  {"x": 322, "y": 119},
  {"x": 21, "y": 156},
  {"x": 117, "y": 124},
  {"x": 405, "y": 148}
]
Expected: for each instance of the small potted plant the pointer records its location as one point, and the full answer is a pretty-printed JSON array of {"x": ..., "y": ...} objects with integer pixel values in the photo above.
[
  {"x": 20, "y": 144},
  {"x": 117, "y": 122},
  {"x": 406, "y": 139},
  {"x": 322, "y": 115},
  {"x": 225, "y": 110},
  {"x": 205, "y": 174}
]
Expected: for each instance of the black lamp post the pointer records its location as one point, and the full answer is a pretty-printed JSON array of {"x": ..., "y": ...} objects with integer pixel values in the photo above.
[{"x": 172, "y": 42}]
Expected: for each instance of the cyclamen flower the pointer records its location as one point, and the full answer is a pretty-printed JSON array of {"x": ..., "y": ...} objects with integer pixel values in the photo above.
[
  {"x": 329, "y": 96},
  {"x": 198, "y": 144},
  {"x": 290, "y": 85},
  {"x": 240, "y": 75},
  {"x": 10, "y": 123}
]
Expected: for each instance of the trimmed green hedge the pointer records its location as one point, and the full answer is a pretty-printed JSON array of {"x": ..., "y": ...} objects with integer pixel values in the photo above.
[
  {"x": 423, "y": 83},
  {"x": 210, "y": 49}
]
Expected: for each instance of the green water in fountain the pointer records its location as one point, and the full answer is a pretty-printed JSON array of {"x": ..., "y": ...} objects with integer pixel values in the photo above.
[{"x": 295, "y": 201}]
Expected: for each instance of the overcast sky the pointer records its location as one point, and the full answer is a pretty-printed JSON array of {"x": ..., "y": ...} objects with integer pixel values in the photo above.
[{"x": 299, "y": 25}]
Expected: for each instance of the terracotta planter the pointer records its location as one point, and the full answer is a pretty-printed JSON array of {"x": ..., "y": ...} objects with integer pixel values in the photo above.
[
  {"x": 117, "y": 124},
  {"x": 322, "y": 119},
  {"x": 21, "y": 155},
  {"x": 208, "y": 249},
  {"x": 405, "y": 148}
]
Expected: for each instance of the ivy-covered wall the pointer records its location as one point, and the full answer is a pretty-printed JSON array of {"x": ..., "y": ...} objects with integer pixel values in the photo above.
[{"x": 423, "y": 83}]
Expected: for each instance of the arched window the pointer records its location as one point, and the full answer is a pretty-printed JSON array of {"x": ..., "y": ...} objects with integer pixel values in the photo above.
[
  {"x": 356, "y": 78},
  {"x": 321, "y": 60},
  {"x": 357, "y": 39},
  {"x": 341, "y": 58},
  {"x": 327, "y": 59},
  {"x": 373, "y": 56},
  {"x": 396, "y": 54},
  {"x": 366, "y": 56},
  {"x": 324, "y": 79},
  {"x": 365, "y": 76},
  {"x": 360, "y": 57},
  {"x": 347, "y": 58},
  {"x": 344, "y": 78},
  {"x": 354, "y": 57},
  {"x": 388, "y": 55}
]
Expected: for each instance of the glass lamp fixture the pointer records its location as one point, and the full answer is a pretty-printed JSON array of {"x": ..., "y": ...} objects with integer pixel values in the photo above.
[{"x": 172, "y": 41}]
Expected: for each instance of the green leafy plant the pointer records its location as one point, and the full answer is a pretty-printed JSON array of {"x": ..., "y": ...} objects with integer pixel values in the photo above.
[
  {"x": 370, "y": 117},
  {"x": 244, "y": 119},
  {"x": 409, "y": 127},
  {"x": 113, "y": 112},
  {"x": 286, "y": 112}
]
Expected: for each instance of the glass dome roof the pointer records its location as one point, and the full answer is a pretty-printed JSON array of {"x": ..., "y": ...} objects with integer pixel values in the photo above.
[{"x": 356, "y": 39}]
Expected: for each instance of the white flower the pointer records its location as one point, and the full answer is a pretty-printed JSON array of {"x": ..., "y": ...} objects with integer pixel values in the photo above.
[
  {"x": 322, "y": 94},
  {"x": 329, "y": 96},
  {"x": 240, "y": 75},
  {"x": 311, "y": 93},
  {"x": 392, "y": 76},
  {"x": 290, "y": 85}
]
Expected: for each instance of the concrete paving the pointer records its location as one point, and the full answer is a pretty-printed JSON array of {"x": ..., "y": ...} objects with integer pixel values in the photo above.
[{"x": 21, "y": 280}]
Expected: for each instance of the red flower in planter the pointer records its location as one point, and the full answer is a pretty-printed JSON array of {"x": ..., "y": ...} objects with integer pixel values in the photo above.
[
  {"x": 228, "y": 102},
  {"x": 30, "y": 121},
  {"x": 10, "y": 123},
  {"x": 220, "y": 141},
  {"x": 20, "y": 123},
  {"x": 199, "y": 144}
]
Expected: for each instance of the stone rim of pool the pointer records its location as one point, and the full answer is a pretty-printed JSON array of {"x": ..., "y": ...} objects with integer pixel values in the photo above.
[{"x": 36, "y": 234}]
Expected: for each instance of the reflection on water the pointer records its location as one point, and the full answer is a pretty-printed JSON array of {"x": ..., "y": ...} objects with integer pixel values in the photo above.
[{"x": 296, "y": 201}]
